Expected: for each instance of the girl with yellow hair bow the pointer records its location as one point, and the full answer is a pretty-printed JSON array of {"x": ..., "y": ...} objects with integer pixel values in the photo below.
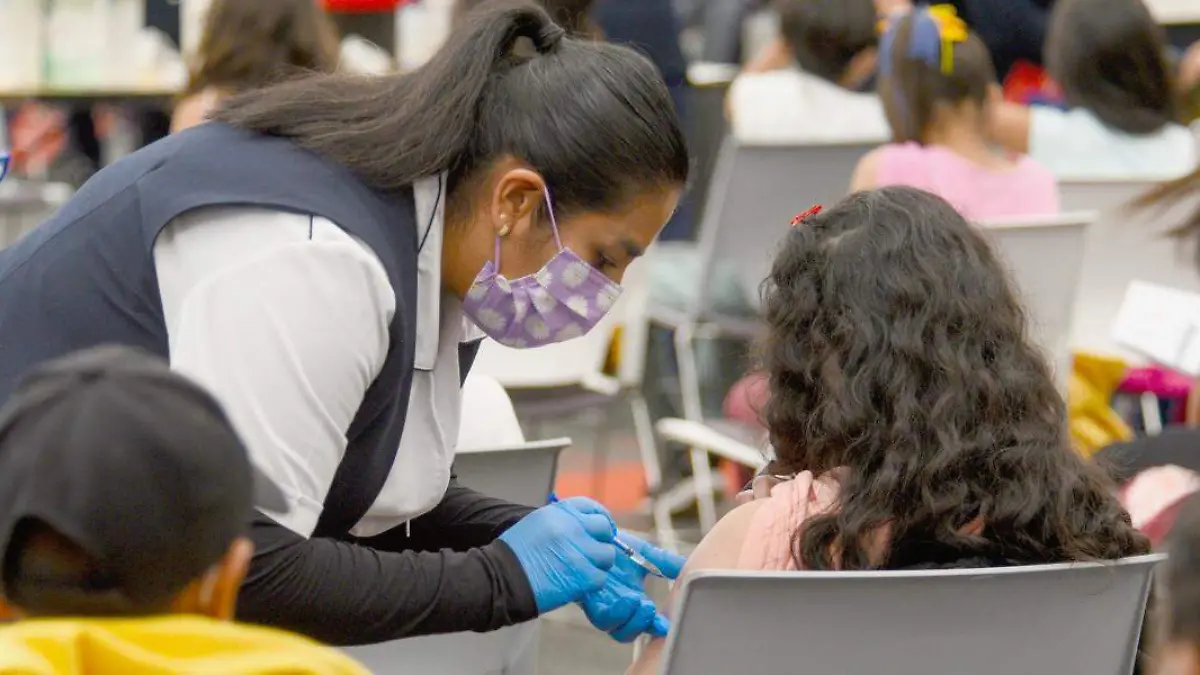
[{"x": 939, "y": 91}]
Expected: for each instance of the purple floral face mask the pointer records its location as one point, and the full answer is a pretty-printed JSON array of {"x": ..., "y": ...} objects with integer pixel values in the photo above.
[{"x": 563, "y": 300}]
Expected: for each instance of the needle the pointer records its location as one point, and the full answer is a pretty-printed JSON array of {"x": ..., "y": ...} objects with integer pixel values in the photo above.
[{"x": 637, "y": 558}]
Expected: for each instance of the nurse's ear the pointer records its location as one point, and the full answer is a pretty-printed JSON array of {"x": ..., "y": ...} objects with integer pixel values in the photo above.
[{"x": 517, "y": 192}]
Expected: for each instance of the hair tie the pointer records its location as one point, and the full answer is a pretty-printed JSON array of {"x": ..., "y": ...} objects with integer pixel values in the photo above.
[
  {"x": 951, "y": 30},
  {"x": 549, "y": 38},
  {"x": 802, "y": 217}
]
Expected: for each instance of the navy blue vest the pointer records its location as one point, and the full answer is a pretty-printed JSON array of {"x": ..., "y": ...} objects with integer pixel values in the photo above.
[{"x": 87, "y": 277}]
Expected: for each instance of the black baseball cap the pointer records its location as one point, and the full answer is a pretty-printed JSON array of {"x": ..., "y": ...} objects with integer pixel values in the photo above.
[{"x": 131, "y": 462}]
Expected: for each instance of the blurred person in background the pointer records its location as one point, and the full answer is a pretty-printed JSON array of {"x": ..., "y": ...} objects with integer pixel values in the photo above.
[
  {"x": 1178, "y": 628},
  {"x": 1014, "y": 31},
  {"x": 247, "y": 45},
  {"x": 124, "y": 492},
  {"x": 939, "y": 88},
  {"x": 827, "y": 95},
  {"x": 1110, "y": 59}
]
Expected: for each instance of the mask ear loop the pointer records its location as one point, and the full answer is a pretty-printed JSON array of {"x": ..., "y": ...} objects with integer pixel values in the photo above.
[
  {"x": 553, "y": 222},
  {"x": 553, "y": 228}
]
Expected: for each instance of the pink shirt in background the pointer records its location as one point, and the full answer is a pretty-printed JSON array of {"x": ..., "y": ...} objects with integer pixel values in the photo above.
[{"x": 979, "y": 193}]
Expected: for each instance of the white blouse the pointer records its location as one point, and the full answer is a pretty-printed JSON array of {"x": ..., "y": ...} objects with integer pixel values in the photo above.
[
  {"x": 792, "y": 106},
  {"x": 285, "y": 317}
]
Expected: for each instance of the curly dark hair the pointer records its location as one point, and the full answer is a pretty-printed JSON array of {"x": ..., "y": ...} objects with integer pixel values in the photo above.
[{"x": 898, "y": 355}]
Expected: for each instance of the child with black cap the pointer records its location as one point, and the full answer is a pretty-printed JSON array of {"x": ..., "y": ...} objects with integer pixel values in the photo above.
[{"x": 124, "y": 498}]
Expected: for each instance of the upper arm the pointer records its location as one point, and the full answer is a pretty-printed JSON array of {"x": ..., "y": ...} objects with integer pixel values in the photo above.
[
  {"x": 1012, "y": 126},
  {"x": 288, "y": 340},
  {"x": 719, "y": 550},
  {"x": 866, "y": 174}
]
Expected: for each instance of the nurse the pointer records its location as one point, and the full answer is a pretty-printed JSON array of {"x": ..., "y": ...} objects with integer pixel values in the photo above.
[{"x": 322, "y": 256}]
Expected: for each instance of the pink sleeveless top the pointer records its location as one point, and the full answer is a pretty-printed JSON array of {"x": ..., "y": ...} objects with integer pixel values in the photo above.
[
  {"x": 979, "y": 193},
  {"x": 768, "y": 541}
]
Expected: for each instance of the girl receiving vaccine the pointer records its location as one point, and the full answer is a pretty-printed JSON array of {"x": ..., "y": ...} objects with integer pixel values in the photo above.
[{"x": 939, "y": 90}]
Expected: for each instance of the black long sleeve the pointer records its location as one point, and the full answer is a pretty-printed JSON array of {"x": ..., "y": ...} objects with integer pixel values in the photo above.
[{"x": 344, "y": 593}]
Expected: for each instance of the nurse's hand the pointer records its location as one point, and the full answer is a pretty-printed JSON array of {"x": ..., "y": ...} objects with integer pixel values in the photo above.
[
  {"x": 621, "y": 608},
  {"x": 566, "y": 550}
]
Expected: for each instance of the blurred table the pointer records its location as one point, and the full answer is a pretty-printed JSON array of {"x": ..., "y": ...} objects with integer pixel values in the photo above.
[{"x": 88, "y": 96}]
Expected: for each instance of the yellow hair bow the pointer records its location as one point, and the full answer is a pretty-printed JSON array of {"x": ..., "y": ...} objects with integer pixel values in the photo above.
[{"x": 952, "y": 29}]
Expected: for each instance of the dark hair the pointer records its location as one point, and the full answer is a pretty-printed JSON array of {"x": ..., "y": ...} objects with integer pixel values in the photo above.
[
  {"x": 1180, "y": 576},
  {"x": 897, "y": 355},
  {"x": 1109, "y": 57},
  {"x": 47, "y": 574},
  {"x": 594, "y": 119},
  {"x": 246, "y": 45},
  {"x": 911, "y": 87},
  {"x": 825, "y": 35},
  {"x": 573, "y": 15}
]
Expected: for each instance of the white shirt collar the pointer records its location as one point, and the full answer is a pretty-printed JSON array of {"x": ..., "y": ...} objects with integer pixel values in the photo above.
[{"x": 430, "y": 199}]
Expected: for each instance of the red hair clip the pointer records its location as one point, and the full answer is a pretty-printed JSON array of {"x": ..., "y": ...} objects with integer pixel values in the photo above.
[{"x": 801, "y": 217}]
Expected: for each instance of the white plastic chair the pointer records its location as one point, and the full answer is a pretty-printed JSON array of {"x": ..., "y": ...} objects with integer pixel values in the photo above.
[
  {"x": 1101, "y": 195},
  {"x": 1077, "y": 619},
  {"x": 1045, "y": 256},
  {"x": 755, "y": 192}
]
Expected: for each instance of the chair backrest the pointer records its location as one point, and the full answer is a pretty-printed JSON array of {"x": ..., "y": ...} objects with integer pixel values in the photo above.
[
  {"x": 1081, "y": 619},
  {"x": 1124, "y": 245},
  {"x": 523, "y": 473},
  {"x": 1100, "y": 195},
  {"x": 756, "y": 190},
  {"x": 707, "y": 122},
  {"x": 488, "y": 418},
  {"x": 492, "y": 456},
  {"x": 1044, "y": 255}
]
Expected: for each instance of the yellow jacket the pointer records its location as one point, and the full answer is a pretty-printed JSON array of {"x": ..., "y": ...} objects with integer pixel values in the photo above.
[
  {"x": 163, "y": 645},
  {"x": 1093, "y": 422}
]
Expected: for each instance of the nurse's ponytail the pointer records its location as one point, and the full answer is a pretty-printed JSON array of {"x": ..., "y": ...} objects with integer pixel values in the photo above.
[{"x": 593, "y": 118}]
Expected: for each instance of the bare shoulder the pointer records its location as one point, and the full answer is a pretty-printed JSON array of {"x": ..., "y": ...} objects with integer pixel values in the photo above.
[{"x": 722, "y": 546}]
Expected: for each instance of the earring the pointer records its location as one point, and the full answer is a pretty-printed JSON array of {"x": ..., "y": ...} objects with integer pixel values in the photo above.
[{"x": 504, "y": 227}]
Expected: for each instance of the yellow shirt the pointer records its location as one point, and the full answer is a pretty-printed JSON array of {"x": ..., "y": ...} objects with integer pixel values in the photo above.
[{"x": 163, "y": 645}]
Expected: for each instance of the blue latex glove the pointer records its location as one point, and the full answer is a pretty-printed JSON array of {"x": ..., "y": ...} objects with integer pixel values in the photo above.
[
  {"x": 621, "y": 608},
  {"x": 565, "y": 549}
]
